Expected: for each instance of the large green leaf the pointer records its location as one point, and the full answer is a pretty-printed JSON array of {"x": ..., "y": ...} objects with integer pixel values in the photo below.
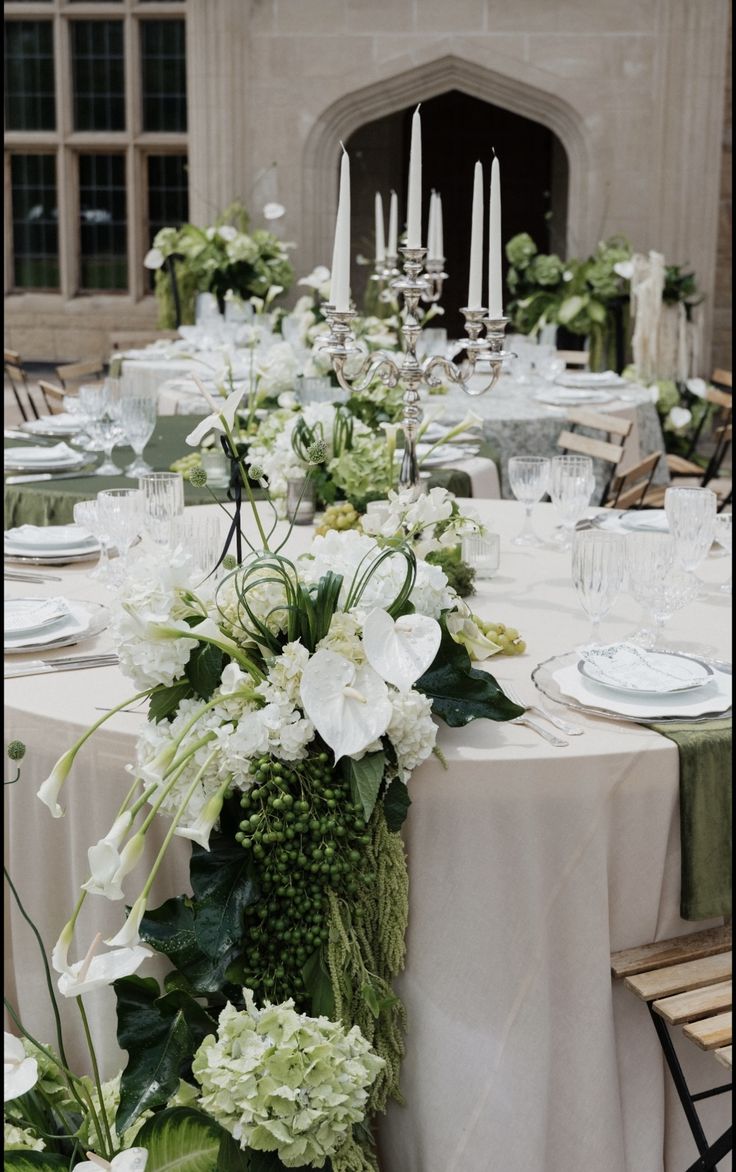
[
  {"x": 459, "y": 693},
  {"x": 319, "y": 986},
  {"x": 396, "y": 804},
  {"x": 34, "y": 1161},
  {"x": 223, "y": 886},
  {"x": 186, "y": 1140},
  {"x": 170, "y": 930},
  {"x": 165, "y": 701},
  {"x": 160, "y": 1038},
  {"x": 204, "y": 669},
  {"x": 365, "y": 778}
]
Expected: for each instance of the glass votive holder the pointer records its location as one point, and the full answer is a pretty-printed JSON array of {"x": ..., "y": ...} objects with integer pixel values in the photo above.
[
  {"x": 316, "y": 389},
  {"x": 300, "y": 500},
  {"x": 482, "y": 552},
  {"x": 378, "y": 511},
  {"x": 217, "y": 466}
]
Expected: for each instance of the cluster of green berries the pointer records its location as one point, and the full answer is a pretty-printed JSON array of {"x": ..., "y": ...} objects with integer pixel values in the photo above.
[
  {"x": 340, "y": 516},
  {"x": 306, "y": 835},
  {"x": 189, "y": 465}
]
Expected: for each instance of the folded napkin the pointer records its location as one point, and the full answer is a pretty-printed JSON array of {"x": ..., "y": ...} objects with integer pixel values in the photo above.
[
  {"x": 624, "y": 665},
  {"x": 48, "y": 536},
  {"x": 22, "y": 615},
  {"x": 44, "y": 455},
  {"x": 705, "y": 816}
]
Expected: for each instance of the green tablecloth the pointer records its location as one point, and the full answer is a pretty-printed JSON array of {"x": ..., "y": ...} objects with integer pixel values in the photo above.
[
  {"x": 705, "y": 816},
  {"x": 51, "y": 502}
]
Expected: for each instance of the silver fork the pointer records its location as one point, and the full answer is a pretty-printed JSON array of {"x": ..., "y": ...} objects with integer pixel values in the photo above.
[
  {"x": 533, "y": 723},
  {"x": 566, "y": 726}
]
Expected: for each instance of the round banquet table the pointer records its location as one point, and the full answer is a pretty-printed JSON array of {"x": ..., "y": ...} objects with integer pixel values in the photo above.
[{"x": 528, "y": 865}]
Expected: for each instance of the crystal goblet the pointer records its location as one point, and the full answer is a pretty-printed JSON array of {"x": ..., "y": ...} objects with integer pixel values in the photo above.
[
  {"x": 724, "y": 539},
  {"x": 529, "y": 480},
  {"x": 598, "y": 573},
  {"x": 138, "y": 420},
  {"x": 571, "y": 485},
  {"x": 656, "y": 581}
]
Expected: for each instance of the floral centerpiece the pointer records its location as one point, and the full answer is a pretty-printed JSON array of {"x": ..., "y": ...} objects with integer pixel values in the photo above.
[
  {"x": 225, "y": 257},
  {"x": 290, "y": 701}
]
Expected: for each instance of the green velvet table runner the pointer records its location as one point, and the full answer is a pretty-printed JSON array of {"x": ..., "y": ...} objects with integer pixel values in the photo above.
[{"x": 705, "y": 815}]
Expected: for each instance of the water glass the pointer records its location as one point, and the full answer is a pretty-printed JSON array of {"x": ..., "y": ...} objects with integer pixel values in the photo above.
[
  {"x": 120, "y": 510},
  {"x": 481, "y": 551},
  {"x": 598, "y": 573},
  {"x": 723, "y": 537},
  {"x": 316, "y": 389},
  {"x": 206, "y": 310},
  {"x": 571, "y": 485},
  {"x": 91, "y": 404},
  {"x": 87, "y": 514},
  {"x": 691, "y": 519},
  {"x": 138, "y": 420},
  {"x": 107, "y": 428},
  {"x": 204, "y": 539},
  {"x": 163, "y": 504},
  {"x": 656, "y": 581},
  {"x": 529, "y": 480}
]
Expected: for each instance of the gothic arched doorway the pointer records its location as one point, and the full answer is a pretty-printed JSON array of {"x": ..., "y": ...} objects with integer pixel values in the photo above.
[{"x": 457, "y": 129}]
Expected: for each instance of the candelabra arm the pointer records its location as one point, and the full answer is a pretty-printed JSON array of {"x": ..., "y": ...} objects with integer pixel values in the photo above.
[{"x": 378, "y": 365}]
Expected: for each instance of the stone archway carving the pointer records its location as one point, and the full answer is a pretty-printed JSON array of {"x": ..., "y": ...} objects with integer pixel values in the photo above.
[{"x": 340, "y": 119}]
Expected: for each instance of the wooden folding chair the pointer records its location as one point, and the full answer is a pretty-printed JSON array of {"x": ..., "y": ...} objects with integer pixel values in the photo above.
[
  {"x": 573, "y": 359},
  {"x": 629, "y": 490},
  {"x": 611, "y": 449},
  {"x": 686, "y": 981},
  {"x": 74, "y": 372},
  {"x": 688, "y": 465},
  {"x": 53, "y": 396},
  {"x": 16, "y": 376}
]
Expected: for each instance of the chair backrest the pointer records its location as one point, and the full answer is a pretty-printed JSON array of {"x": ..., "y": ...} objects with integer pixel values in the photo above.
[
  {"x": 53, "y": 396},
  {"x": 613, "y": 425},
  {"x": 610, "y": 449},
  {"x": 574, "y": 358},
  {"x": 585, "y": 445},
  {"x": 16, "y": 376},
  {"x": 723, "y": 438},
  {"x": 722, "y": 378},
  {"x": 74, "y": 372},
  {"x": 629, "y": 490}
]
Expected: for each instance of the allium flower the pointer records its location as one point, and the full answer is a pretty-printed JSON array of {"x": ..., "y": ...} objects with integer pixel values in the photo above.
[{"x": 281, "y": 1081}]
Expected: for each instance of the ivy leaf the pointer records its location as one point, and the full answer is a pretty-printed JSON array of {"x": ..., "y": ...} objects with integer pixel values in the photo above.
[
  {"x": 159, "y": 1041},
  {"x": 365, "y": 778},
  {"x": 396, "y": 802},
  {"x": 204, "y": 669},
  {"x": 165, "y": 701},
  {"x": 459, "y": 693},
  {"x": 223, "y": 886},
  {"x": 319, "y": 986}
]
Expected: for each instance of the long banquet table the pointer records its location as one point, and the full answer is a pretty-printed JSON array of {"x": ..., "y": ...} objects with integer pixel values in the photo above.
[{"x": 528, "y": 865}]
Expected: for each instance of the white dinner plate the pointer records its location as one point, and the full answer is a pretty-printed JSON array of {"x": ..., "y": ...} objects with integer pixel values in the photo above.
[
  {"x": 443, "y": 455},
  {"x": 572, "y": 398},
  {"x": 588, "y": 379},
  {"x": 80, "y": 554},
  {"x": 27, "y": 616},
  {"x": 52, "y": 459},
  {"x": 84, "y": 621},
  {"x": 49, "y": 538},
  {"x": 53, "y": 425},
  {"x": 635, "y": 672}
]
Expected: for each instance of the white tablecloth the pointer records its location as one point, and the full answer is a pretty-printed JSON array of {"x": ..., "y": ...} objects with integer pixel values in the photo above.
[{"x": 528, "y": 866}]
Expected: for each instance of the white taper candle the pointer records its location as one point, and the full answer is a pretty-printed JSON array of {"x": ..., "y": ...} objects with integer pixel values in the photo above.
[
  {"x": 475, "y": 280},
  {"x": 439, "y": 240},
  {"x": 393, "y": 224},
  {"x": 432, "y": 227},
  {"x": 380, "y": 241},
  {"x": 340, "y": 284},
  {"x": 414, "y": 202},
  {"x": 495, "y": 290}
]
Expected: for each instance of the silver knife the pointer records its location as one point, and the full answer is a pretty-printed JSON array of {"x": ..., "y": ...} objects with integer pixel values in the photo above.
[
  {"x": 37, "y": 667},
  {"x": 48, "y": 476}
]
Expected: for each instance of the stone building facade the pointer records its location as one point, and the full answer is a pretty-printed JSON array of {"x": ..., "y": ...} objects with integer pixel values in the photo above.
[{"x": 633, "y": 89}]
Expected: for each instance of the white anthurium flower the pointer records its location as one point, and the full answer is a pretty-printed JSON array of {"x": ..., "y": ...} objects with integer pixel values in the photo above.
[
  {"x": 153, "y": 259},
  {"x": 347, "y": 704},
  {"x": 51, "y": 787},
  {"x": 214, "y": 422},
  {"x": 131, "y": 1160},
  {"x": 316, "y": 278},
  {"x": 20, "y": 1071},
  {"x": 624, "y": 268},
  {"x": 128, "y": 936},
  {"x": 273, "y": 211},
  {"x": 697, "y": 387},
  {"x": 466, "y": 631},
  {"x": 400, "y": 651},
  {"x": 679, "y": 417},
  {"x": 94, "y": 972}
]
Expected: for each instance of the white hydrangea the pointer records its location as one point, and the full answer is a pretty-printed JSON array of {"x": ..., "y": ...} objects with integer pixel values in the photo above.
[
  {"x": 267, "y": 601},
  {"x": 280, "y": 1080},
  {"x": 19, "y": 1139},
  {"x": 285, "y": 674},
  {"x": 412, "y": 731},
  {"x": 277, "y": 369},
  {"x": 344, "y": 637}
]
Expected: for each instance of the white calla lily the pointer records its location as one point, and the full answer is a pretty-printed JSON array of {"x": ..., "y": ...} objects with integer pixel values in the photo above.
[
  {"x": 60, "y": 951},
  {"x": 128, "y": 936},
  {"x": 400, "y": 651},
  {"x": 50, "y": 789},
  {"x": 466, "y": 631},
  {"x": 109, "y": 866},
  {"x": 95, "y": 972},
  {"x": 222, "y": 418},
  {"x": 131, "y": 1160},
  {"x": 347, "y": 704},
  {"x": 20, "y": 1071}
]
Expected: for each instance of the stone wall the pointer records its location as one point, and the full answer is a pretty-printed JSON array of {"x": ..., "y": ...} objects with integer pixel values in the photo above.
[{"x": 632, "y": 88}]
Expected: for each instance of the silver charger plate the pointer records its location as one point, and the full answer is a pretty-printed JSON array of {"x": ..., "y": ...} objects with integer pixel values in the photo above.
[
  {"x": 49, "y": 559},
  {"x": 542, "y": 678},
  {"x": 99, "y": 615},
  {"x": 585, "y": 670},
  {"x": 51, "y": 432}
]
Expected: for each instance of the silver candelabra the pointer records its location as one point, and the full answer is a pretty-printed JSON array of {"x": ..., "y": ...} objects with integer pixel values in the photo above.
[{"x": 355, "y": 369}]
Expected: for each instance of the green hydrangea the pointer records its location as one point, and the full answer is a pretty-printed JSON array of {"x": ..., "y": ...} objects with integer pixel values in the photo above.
[
  {"x": 110, "y": 1103},
  {"x": 19, "y": 1139},
  {"x": 281, "y": 1081},
  {"x": 546, "y": 269},
  {"x": 362, "y": 470},
  {"x": 520, "y": 250}
]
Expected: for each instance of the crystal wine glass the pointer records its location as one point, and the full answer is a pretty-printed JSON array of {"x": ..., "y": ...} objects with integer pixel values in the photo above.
[
  {"x": 529, "y": 480},
  {"x": 120, "y": 510},
  {"x": 691, "y": 519},
  {"x": 91, "y": 406},
  {"x": 138, "y": 420},
  {"x": 86, "y": 514},
  {"x": 163, "y": 504},
  {"x": 723, "y": 537},
  {"x": 598, "y": 573},
  {"x": 571, "y": 485},
  {"x": 107, "y": 427},
  {"x": 656, "y": 581}
]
